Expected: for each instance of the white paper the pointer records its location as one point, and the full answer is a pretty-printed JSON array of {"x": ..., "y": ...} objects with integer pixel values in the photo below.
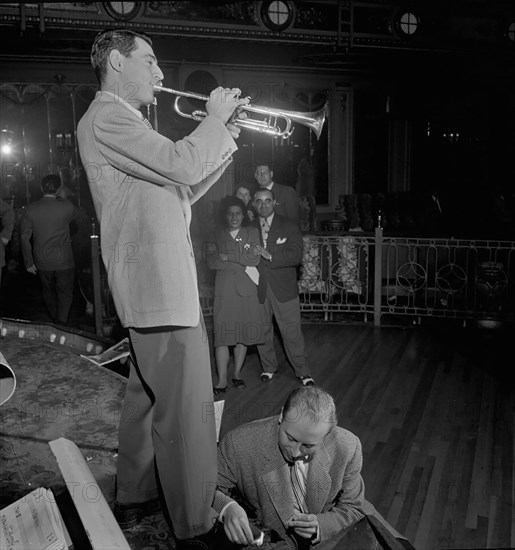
[
  {"x": 219, "y": 411},
  {"x": 253, "y": 273},
  {"x": 32, "y": 522},
  {"x": 118, "y": 351}
]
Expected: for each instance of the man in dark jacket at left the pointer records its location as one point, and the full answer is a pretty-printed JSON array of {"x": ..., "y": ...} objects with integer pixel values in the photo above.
[{"x": 50, "y": 256}]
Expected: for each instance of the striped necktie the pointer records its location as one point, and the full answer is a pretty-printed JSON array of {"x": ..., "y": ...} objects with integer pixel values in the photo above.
[
  {"x": 298, "y": 482},
  {"x": 265, "y": 228},
  {"x": 147, "y": 122}
]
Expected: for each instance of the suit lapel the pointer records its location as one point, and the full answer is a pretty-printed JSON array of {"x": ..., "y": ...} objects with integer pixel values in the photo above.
[
  {"x": 278, "y": 486},
  {"x": 318, "y": 483},
  {"x": 276, "y": 478},
  {"x": 257, "y": 224},
  {"x": 275, "y": 228}
]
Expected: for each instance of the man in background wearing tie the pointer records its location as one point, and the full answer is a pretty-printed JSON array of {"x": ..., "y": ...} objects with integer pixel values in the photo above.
[
  {"x": 143, "y": 186},
  {"x": 278, "y": 290},
  {"x": 286, "y": 198},
  {"x": 298, "y": 471}
]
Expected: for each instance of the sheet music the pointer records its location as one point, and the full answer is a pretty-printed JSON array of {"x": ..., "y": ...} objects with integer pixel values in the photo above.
[{"x": 32, "y": 522}]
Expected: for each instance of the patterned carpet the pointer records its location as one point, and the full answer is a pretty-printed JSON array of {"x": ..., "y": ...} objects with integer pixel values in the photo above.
[{"x": 60, "y": 394}]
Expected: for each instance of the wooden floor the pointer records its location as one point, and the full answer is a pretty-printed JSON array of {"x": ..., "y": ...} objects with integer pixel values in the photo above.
[{"x": 434, "y": 410}]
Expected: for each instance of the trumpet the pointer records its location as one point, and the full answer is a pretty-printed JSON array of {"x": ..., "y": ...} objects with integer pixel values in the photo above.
[{"x": 274, "y": 122}]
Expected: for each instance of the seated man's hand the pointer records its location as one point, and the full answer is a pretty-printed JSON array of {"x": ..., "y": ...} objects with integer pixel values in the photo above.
[
  {"x": 305, "y": 525},
  {"x": 32, "y": 269},
  {"x": 236, "y": 525}
]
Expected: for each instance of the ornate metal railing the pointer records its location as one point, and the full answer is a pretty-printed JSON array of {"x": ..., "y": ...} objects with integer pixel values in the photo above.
[
  {"x": 465, "y": 279},
  {"x": 335, "y": 275},
  {"x": 377, "y": 276},
  {"x": 421, "y": 277}
]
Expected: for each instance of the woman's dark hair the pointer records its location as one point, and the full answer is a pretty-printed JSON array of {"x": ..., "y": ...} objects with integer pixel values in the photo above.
[
  {"x": 251, "y": 187},
  {"x": 225, "y": 204}
]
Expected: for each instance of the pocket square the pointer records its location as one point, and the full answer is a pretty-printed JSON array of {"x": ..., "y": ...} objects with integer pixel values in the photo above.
[{"x": 280, "y": 240}]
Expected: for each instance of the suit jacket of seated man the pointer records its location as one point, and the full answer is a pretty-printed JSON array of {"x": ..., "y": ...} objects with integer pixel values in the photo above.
[
  {"x": 287, "y": 201},
  {"x": 250, "y": 462},
  {"x": 285, "y": 244}
]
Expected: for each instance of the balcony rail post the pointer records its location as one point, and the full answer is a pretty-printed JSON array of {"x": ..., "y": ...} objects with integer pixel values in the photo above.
[
  {"x": 378, "y": 276},
  {"x": 95, "y": 274}
]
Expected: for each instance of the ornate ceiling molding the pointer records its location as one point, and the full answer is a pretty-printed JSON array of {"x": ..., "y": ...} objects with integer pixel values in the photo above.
[
  {"x": 234, "y": 20},
  {"x": 330, "y": 33}
]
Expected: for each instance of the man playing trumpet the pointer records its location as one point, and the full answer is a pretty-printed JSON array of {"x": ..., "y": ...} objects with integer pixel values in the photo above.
[{"x": 143, "y": 186}]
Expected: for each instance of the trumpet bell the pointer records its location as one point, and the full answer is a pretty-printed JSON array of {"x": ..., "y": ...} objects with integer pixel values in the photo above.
[{"x": 313, "y": 120}]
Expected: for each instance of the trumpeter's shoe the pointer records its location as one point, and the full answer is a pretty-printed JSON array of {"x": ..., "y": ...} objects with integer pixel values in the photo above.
[{"x": 129, "y": 515}]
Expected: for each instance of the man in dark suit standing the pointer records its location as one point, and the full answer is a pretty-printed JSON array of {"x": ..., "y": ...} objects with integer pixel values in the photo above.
[
  {"x": 47, "y": 222},
  {"x": 286, "y": 198},
  {"x": 278, "y": 290}
]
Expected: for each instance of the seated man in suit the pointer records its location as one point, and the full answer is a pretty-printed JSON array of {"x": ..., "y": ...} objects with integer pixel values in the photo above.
[{"x": 298, "y": 472}]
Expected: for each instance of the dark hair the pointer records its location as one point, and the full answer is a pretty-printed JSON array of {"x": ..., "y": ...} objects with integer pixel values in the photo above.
[
  {"x": 265, "y": 162},
  {"x": 106, "y": 41},
  {"x": 250, "y": 187},
  {"x": 50, "y": 184},
  {"x": 262, "y": 190},
  {"x": 225, "y": 204},
  {"x": 313, "y": 402},
  {"x": 247, "y": 184}
]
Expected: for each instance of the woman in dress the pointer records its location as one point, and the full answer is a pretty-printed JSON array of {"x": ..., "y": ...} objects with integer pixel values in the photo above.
[{"x": 238, "y": 316}]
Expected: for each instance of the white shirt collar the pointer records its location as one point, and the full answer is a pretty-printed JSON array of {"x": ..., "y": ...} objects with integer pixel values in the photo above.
[
  {"x": 304, "y": 466},
  {"x": 269, "y": 219}
]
